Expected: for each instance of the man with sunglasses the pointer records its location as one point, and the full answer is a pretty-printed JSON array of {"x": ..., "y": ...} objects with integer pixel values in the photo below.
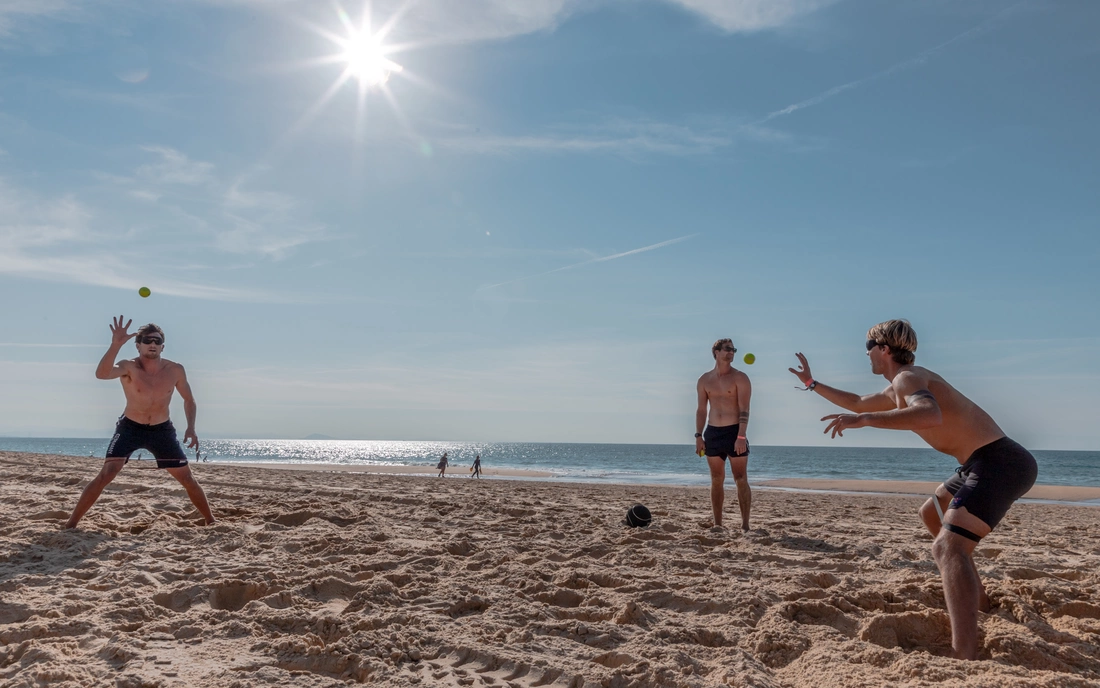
[
  {"x": 995, "y": 471},
  {"x": 148, "y": 382},
  {"x": 727, "y": 391}
]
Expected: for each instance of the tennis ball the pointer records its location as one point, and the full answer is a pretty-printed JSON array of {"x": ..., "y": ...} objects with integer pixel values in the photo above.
[
  {"x": 702, "y": 452},
  {"x": 144, "y": 292},
  {"x": 749, "y": 359}
]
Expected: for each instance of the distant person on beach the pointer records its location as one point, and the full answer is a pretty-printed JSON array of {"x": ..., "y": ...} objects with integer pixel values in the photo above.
[
  {"x": 475, "y": 470},
  {"x": 148, "y": 382},
  {"x": 442, "y": 466},
  {"x": 995, "y": 471},
  {"x": 728, "y": 392}
]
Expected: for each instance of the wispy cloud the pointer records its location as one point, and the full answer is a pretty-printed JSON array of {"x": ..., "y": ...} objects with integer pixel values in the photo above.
[
  {"x": 12, "y": 12},
  {"x": 239, "y": 217},
  {"x": 58, "y": 239},
  {"x": 752, "y": 15},
  {"x": 627, "y": 138},
  {"x": 603, "y": 259},
  {"x": 469, "y": 21},
  {"x": 51, "y": 345},
  {"x": 915, "y": 61}
]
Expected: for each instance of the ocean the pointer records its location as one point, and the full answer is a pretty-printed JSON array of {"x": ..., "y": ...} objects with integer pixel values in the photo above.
[{"x": 667, "y": 464}]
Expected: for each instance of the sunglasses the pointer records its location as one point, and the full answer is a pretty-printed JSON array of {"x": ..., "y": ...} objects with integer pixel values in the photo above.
[
  {"x": 872, "y": 344},
  {"x": 151, "y": 340},
  {"x": 727, "y": 348}
]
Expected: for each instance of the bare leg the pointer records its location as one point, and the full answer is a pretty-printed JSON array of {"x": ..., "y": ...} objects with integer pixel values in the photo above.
[
  {"x": 739, "y": 466},
  {"x": 717, "y": 492},
  {"x": 92, "y": 490},
  {"x": 931, "y": 521},
  {"x": 961, "y": 586},
  {"x": 194, "y": 491}
]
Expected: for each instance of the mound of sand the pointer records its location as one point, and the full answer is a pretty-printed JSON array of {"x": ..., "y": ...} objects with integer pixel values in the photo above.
[{"x": 325, "y": 579}]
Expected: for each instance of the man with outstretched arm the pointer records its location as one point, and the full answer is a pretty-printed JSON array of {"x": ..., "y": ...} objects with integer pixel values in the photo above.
[
  {"x": 995, "y": 471},
  {"x": 728, "y": 392},
  {"x": 148, "y": 382}
]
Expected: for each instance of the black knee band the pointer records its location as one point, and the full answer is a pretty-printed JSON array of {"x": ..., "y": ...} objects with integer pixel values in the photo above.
[{"x": 961, "y": 531}]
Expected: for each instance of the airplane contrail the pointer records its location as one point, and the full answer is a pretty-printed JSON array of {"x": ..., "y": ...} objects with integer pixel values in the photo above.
[
  {"x": 604, "y": 259},
  {"x": 918, "y": 59}
]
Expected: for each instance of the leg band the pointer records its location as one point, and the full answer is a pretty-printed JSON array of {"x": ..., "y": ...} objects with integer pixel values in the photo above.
[
  {"x": 961, "y": 531},
  {"x": 936, "y": 501}
]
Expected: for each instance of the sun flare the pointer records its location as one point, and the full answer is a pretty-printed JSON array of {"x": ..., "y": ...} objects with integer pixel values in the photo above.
[{"x": 366, "y": 59}]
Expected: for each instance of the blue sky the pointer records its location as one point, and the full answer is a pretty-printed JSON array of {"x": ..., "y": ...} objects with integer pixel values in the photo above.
[{"x": 536, "y": 229}]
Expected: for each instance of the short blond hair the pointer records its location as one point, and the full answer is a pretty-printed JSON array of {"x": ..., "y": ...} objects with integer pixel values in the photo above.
[{"x": 899, "y": 335}]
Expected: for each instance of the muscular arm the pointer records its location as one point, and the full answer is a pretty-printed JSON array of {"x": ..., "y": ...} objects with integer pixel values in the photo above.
[
  {"x": 190, "y": 409},
  {"x": 855, "y": 403},
  {"x": 107, "y": 369},
  {"x": 701, "y": 409},
  {"x": 921, "y": 411},
  {"x": 845, "y": 400},
  {"x": 744, "y": 397}
]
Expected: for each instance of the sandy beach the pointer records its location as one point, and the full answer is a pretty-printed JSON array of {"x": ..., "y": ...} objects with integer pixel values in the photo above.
[{"x": 326, "y": 578}]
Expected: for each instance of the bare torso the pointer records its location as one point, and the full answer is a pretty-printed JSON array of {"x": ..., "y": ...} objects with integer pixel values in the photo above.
[
  {"x": 965, "y": 426},
  {"x": 148, "y": 385},
  {"x": 721, "y": 390}
]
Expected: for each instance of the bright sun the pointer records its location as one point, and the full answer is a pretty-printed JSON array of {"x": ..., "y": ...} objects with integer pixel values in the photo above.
[{"x": 366, "y": 59}]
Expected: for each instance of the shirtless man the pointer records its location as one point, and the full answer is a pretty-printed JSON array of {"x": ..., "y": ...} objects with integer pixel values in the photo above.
[
  {"x": 728, "y": 391},
  {"x": 995, "y": 471},
  {"x": 147, "y": 381}
]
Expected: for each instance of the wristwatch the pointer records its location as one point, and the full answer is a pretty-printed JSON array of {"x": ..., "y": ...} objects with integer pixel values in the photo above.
[{"x": 698, "y": 434}]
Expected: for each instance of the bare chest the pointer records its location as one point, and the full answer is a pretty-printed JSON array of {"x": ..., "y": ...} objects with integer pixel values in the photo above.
[
  {"x": 143, "y": 383},
  {"x": 722, "y": 388}
]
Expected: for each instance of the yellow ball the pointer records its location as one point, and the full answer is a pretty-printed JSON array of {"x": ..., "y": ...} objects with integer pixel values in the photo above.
[
  {"x": 750, "y": 359},
  {"x": 144, "y": 292},
  {"x": 702, "y": 452}
]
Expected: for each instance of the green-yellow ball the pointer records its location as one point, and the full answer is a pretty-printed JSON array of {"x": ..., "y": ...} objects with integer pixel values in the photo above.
[
  {"x": 144, "y": 292},
  {"x": 750, "y": 359},
  {"x": 702, "y": 452}
]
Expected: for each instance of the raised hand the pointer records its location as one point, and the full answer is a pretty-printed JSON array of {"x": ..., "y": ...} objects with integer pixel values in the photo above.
[
  {"x": 839, "y": 422},
  {"x": 803, "y": 372},
  {"x": 119, "y": 335}
]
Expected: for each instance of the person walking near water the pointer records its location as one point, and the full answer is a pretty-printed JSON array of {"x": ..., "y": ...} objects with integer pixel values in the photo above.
[
  {"x": 994, "y": 471},
  {"x": 442, "y": 466},
  {"x": 728, "y": 392},
  {"x": 475, "y": 470},
  {"x": 147, "y": 382}
]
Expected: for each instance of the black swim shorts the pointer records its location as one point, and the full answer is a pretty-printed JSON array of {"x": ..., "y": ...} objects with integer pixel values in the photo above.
[
  {"x": 720, "y": 441},
  {"x": 994, "y": 477},
  {"x": 160, "y": 440}
]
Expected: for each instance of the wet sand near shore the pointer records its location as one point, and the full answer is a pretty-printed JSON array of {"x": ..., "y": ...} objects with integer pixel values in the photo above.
[{"x": 323, "y": 578}]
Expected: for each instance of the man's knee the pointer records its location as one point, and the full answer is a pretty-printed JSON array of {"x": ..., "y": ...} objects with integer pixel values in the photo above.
[
  {"x": 183, "y": 475},
  {"x": 948, "y": 546},
  {"x": 109, "y": 471}
]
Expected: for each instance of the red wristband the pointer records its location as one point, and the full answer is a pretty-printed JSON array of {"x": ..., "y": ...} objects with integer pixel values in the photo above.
[{"x": 742, "y": 437}]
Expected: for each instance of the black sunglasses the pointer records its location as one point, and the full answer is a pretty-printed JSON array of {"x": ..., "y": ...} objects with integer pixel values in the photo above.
[
  {"x": 151, "y": 340},
  {"x": 727, "y": 348},
  {"x": 872, "y": 344}
]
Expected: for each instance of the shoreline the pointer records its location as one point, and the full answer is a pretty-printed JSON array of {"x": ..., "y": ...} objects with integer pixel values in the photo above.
[
  {"x": 1061, "y": 494},
  {"x": 1074, "y": 495}
]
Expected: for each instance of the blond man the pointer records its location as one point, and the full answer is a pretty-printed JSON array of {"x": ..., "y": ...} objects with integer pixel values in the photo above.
[{"x": 994, "y": 470}]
